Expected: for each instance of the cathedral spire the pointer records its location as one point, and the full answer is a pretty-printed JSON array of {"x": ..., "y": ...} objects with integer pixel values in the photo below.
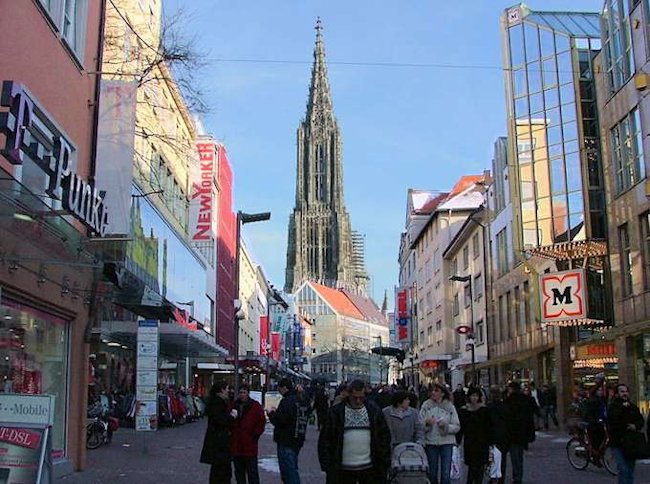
[{"x": 320, "y": 100}]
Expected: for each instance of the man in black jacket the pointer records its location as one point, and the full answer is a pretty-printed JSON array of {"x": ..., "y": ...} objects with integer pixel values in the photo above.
[
  {"x": 290, "y": 422},
  {"x": 519, "y": 414},
  {"x": 216, "y": 444},
  {"x": 623, "y": 417},
  {"x": 354, "y": 445}
]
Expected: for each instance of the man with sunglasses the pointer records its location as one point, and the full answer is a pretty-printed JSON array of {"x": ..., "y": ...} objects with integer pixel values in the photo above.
[{"x": 354, "y": 444}]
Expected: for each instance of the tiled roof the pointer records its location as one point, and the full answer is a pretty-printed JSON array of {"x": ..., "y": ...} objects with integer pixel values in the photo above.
[
  {"x": 464, "y": 183},
  {"x": 367, "y": 307},
  {"x": 338, "y": 300},
  {"x": 432, "y": 204}
]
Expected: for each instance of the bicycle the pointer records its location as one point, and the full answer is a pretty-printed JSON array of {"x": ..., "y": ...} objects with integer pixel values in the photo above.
[
  {"x": 98, "y": 428},
  {"x": 580, "y": 451}
]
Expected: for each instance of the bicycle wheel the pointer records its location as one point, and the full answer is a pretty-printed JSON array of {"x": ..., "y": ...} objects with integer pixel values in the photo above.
[
  {"x": 94, "y": 435},
  {"x": 577, "y": 453},
  {"x": 609, "y": 461}
]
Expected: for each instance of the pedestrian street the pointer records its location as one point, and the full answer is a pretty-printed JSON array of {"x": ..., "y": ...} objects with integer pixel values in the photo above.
[{"x": 173, "y": 457}]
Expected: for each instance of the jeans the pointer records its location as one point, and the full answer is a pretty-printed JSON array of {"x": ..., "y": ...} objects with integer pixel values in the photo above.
[
  {"x": 288, "y": 462},
  {"x": 517, "y": 460},
  {"x": 625, "y": 466},
  {"x": 246, "y": 467},
  {"x": 441, "y": 453},
  {"x": 475, "y": 474}
]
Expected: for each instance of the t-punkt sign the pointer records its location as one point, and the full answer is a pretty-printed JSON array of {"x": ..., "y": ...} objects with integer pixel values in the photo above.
[{"x": 563, "y": 295}]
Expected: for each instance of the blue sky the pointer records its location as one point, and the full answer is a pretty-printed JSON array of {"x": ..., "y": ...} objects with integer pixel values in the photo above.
[{"x": 402, "y": 127}]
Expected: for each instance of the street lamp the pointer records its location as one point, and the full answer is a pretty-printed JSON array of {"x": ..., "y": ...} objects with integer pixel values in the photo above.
[
  {"x": 242, "y": 218},
  {"x": 470, "y": 335},
  {"x": 274, "y": 298}
]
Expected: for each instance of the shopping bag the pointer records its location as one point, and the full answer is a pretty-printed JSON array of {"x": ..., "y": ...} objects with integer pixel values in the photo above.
[
  {"x": 494, "y": 469},
  {"x": 455, "y": 464}
]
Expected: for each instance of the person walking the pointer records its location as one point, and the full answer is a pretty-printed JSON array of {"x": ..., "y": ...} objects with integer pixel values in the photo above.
[
  {"x": 216, "y": 443},
  {"x": 519, "y": 413},
  {"x": 290, "y": 425},
  {"x": 403, "y": 420},
  {"x": 595, "y": 415},
  {"x": 459, "y": 397},
  {"x": 498, "y": 431},
  {"x": 623, "y": 417},
  {"x": 441, "y": 426},
  {"x": 354, "y": 445},
  {"x": 477, "y": 435},
  {"x": 247, "y": 429},
  {"x": 321, "y": 405},
  {"x": 548, "y": 404}
]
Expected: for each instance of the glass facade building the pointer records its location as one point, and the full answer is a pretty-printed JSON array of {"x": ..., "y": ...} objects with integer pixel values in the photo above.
[{"x": 553, "y": 126}]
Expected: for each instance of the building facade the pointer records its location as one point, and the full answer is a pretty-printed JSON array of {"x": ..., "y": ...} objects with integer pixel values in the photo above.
[
  {"x": 320, "y": 244},
  {"x": 556, "y": 189},
  {"x": 624, "y": 123},
  {"x": 48, "y": 119},
  {"x": 345, "y": 326}
]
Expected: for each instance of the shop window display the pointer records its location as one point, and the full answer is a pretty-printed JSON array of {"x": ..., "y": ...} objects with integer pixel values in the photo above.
[
  {"x": 642, "y": 350},
  {"x": 34, "y": 360}
]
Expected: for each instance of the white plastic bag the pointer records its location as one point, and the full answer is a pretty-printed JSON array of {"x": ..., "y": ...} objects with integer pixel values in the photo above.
[
  {"x": 494, "y": 470},
  {"x": 455, "y": 464}
]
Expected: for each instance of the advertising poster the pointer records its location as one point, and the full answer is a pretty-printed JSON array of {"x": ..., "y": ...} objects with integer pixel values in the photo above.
[
  {"x": 146, "y": 415},
  {"x": 21, "y": 454}
]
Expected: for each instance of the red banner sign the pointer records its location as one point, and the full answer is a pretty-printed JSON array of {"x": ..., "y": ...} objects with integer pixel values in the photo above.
[
  {"x": 275, "y": 346},
  {"x": 183, "y": 319},
  {"x": 264, "y": 334}
]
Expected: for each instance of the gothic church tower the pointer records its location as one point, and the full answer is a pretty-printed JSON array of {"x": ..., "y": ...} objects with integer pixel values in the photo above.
[{"x": 320, "y": 242}]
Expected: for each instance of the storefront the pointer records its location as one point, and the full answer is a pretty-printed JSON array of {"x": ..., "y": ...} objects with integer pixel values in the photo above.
[
  {"x": 594, "y": 361},
  {"x": 641, "y": 362}
]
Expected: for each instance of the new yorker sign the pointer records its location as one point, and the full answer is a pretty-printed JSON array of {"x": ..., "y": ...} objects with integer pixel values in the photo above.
[
  {"x": 30, "y": 131},
  {"x": 563, "y": 296}
]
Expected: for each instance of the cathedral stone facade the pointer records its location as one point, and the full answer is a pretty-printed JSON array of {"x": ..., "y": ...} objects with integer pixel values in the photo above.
[{"x": 320, "y": 238}]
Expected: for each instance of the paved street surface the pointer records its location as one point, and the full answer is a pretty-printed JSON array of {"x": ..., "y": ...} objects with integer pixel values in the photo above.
[{"x": 173, "y": 456}]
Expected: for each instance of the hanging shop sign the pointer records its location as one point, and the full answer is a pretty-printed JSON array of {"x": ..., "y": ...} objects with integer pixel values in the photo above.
[
  {"x": 403, "y": 316},
  {"x": 563, "y": 296},
  {"x": 146, "y": 416},
  {"x": 31, "y": 132},
  {"x": 202, "y": 198},
  {"x": 591, "y": 351},
  {"x": 264, "y": 334}
]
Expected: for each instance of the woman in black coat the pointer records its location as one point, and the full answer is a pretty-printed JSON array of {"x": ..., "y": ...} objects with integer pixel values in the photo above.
[
  {"x": 477, "y": 435},
  {"x": 216, "y": 444}
]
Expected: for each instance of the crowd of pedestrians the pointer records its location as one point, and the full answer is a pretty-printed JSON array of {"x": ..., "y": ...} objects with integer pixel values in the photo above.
[{"x": 360, "y": 428}]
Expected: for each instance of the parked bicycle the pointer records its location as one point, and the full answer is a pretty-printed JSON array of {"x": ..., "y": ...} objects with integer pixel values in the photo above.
[
  {"x": 100, "y": 426},
  {"x": 581, "y": 453}
]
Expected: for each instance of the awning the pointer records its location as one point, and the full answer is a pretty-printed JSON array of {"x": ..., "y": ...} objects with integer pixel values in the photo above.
[
  {"x": 175, "y": 341},
  {"x": 435, "y": 358},
  {"x": 577, "y": 249},
  {"x": 465, "y": 361},
  {"x": 388, "y": 351}
]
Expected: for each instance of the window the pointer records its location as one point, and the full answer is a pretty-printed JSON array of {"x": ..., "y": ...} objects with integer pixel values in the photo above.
[
  {"x": 626, "y": 142},
  {"x": 479, "y": 330},
  {"x": 466, "y": 257},
  {"x": 508, "y": 314},
  {"x": 526, "y": 290},
  {"x": 313, "y": 336},
  {"x": 422, "y": 339},
  {"x": 478, "y": 287},
  {"x": 456, "y": 341},
  {"x": 456, "y": 305},
  {"x": 645, "y": 247},
  {"x": 626, "y": 259},
  {"x": 618, "y": 43},
  {"x": 454, "y": 267},
  {"x": 429, "y": 336},
  {"x": 475, "y": 246},
  {"x": 502, "y": 252},
  {"x": 467, "y": 293},
  {"x": 518, "y": 319},
  {"x": 69, "y": 17}
]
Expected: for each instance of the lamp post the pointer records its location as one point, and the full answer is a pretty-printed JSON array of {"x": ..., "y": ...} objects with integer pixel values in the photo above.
[
  {"x": 274, "y": 298},
  {"x": 242, "y": 218},
  {"x": 468, "y": 279}
]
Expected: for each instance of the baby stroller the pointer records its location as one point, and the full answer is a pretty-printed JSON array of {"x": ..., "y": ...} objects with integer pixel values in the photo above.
[{"x": 409, "y": 464}]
